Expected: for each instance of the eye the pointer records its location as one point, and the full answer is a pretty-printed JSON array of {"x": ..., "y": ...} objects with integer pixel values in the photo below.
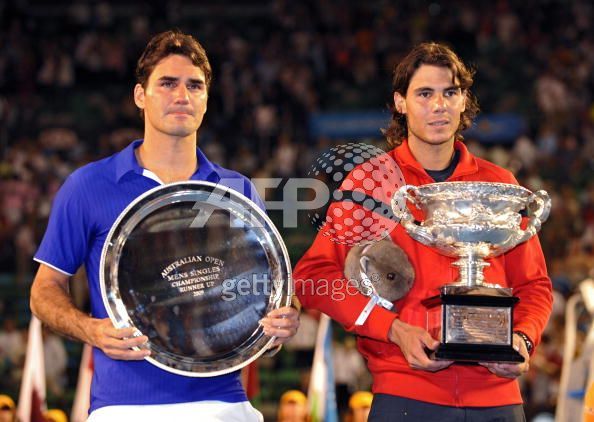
[
  {"x": 391, "y": 276},
  {"x": 168, "y": 84},
  {"x": 195, "y": 87},
  {"x": 451, "y": 92},
  {"x": 425, "y": 94}
]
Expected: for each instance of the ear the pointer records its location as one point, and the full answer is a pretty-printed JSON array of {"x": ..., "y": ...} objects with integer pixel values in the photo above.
[
  {"x": 364, "y": 261},
  {"x": 399, "y": 103},
  {"x": 464, "y": 98},
  {"x": 139, "y": 96}
]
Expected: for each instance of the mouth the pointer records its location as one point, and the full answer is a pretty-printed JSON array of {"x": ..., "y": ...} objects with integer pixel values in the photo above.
[
  {"x": 180, "y": 113},
  {"x": 439, "y": 123}
]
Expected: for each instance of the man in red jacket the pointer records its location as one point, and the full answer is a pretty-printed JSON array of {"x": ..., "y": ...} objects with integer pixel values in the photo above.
[{"x": 432, "y": 105}]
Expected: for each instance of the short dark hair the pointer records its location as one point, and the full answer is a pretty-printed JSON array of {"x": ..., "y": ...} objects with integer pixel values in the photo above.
[
  {"x": 167, "y": 43},
  {"x": 435, "y": 54}
]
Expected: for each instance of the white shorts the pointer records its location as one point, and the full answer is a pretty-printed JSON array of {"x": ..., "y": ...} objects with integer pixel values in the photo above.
[{"x": 202, "y": 411}]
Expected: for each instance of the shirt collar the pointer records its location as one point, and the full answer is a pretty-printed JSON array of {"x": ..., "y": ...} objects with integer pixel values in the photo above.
[
  {"x": 206, "y": 169},
  {"x": 126, "y": 162},
  {"x": 467, "y": 164}
]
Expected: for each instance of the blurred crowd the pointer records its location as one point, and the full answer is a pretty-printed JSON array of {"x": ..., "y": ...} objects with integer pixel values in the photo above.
[{"x": 66, "y": 78}]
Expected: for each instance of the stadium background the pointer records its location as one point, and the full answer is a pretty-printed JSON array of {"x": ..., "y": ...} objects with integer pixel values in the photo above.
[{"x": 288, "y": 76}]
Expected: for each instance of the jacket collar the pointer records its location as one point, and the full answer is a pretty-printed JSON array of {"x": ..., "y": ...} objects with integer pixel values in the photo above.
[{"x": 467, "y": 164}]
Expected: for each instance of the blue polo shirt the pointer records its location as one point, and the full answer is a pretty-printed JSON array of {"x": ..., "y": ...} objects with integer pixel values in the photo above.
[{"x": 82, "y": 215}]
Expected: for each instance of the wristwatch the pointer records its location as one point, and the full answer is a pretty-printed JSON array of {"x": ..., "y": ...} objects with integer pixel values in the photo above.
[{"x": 529, "y": 344}]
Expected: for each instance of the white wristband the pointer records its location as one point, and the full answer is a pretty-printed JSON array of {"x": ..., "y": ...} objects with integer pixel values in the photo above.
[{"x": 366, "y": 310}]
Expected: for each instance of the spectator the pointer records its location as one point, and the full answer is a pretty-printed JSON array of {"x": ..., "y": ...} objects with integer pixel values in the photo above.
[
  {"x": 292, "y": 407},
  {"x": 7, "y": 409},
  {"x": 359, "y": 406},
  {"x": 55, "y": 415}
]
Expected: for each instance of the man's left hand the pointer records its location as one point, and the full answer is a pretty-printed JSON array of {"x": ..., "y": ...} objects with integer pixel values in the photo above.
[
  {"x": 511, "y": 370},
  {"x": 281, "y": 323}
]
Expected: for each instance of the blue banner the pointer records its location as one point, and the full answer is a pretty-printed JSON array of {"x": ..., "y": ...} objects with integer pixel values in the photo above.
[
  {"x": 349, "y": 125},
  {"x": 501, "y": 128},
  {"x": 497, "y": 128}
]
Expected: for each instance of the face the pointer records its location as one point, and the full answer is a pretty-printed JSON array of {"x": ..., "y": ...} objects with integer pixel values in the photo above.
[
  {"x": 361, "y": 415},
  {"x": 174, "y": 100},
  {"x": 433, "y": 105},
  {"x": 292, "y": 412},
  {"x": 7, "y": 415}
]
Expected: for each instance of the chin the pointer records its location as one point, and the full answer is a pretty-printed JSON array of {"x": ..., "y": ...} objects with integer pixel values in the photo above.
[
  {"x": 439, "y": 140},
  {"x": 182, "y": 132}
]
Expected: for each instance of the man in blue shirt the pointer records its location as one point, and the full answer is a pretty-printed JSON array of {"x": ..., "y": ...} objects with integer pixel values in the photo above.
[{"x": 173, "y": 77}]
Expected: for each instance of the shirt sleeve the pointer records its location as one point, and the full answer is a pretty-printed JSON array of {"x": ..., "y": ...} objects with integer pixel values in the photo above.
[
  {"x": 66, "y": 239},
  {"x": 320, "y": 284},
  {"x": 526, "y": 271},
  {"x": 527, "y": 274}
]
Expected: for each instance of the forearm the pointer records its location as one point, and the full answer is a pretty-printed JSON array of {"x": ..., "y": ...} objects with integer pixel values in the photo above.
[
  {"x": 51, "y": 303},
  {"x": 320, "y": 284}
]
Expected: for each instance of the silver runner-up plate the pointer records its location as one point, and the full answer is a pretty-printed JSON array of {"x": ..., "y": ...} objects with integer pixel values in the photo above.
[{"x": 194, "y": 266}]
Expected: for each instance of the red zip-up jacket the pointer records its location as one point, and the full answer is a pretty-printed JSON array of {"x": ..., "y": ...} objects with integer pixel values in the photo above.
[{"x": 522, "y": 268}]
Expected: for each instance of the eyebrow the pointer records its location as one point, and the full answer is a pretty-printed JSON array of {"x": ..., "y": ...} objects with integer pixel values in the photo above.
[
  {"x": 175, "y": 79},
  {"x": 427, "y": 88}
]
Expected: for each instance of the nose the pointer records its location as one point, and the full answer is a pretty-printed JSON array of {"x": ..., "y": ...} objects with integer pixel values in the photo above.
[
  {"x": 439, "y": 103},
  {"x": 182, "y": 95}
]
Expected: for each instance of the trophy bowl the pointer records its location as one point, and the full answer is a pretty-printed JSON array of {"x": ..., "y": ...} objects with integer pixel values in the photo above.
[
  {"x": 459, "y": 214},
  {"x": 194, "y": 266},
  {"x": 472, "y": 221}
]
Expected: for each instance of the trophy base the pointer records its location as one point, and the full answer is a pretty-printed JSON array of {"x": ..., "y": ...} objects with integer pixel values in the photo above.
[
  {"x": 470, "y": 353},
  {"x": 473, "y": 324}
]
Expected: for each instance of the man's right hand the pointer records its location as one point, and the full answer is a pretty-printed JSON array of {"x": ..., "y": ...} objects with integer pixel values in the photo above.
[
  {"x": 116, "y": 342},
  {"x": 51, "y": 303},
  {"x": 413, "y": 341}
]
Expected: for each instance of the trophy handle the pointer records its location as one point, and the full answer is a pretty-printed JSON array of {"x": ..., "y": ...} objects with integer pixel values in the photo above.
[
  {"x": 403, "y": 214},
  {"x": 538, "y": 216}
]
